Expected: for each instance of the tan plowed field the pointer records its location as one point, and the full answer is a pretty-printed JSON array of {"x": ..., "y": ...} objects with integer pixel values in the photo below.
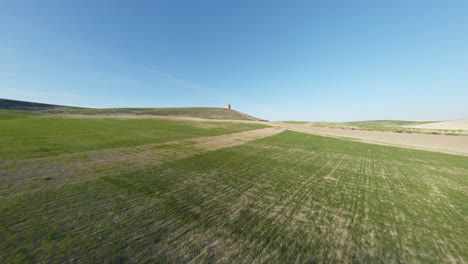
[
  {"x": 447, "y": 125},
  {"x": 440, "y": 143}
]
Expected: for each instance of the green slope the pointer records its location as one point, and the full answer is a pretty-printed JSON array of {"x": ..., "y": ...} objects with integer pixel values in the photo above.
[
  {"x": 23, "y": 137},
  {"x": 23, "y": 105},
  {"x": 194, "y": 112}
]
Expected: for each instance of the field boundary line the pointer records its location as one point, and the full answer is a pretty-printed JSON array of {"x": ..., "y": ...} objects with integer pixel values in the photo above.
[
  {"x": 454, "y": 145},
  {"x": 28, "y": 174}
]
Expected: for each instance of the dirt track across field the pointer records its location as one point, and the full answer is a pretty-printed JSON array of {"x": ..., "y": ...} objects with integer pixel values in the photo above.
[
  {"x": 457, "y": 145},
  {"x": 440, "y": 143}
]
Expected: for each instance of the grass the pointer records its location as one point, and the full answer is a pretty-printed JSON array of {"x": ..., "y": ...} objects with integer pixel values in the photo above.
[
  {"x": 28, "y": 137},
  {"x": 16, "y": 114},
  {"x": 291, "y": 198}
]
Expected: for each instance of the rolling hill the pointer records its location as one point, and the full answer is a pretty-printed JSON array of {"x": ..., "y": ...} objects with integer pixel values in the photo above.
[
  {"x": 8, "y": 104},
  {"x": 191, "y": 112}
]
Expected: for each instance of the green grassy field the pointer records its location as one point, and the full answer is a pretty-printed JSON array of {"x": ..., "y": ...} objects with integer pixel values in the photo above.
[
  {"x": 288, "y": 198},
  {"x": 24, "y": 137},
  {"x": 13, "y": 114}
]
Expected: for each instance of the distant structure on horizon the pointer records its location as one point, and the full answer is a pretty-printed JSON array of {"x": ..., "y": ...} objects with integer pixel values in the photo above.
[{"x": 227, "y": 106}]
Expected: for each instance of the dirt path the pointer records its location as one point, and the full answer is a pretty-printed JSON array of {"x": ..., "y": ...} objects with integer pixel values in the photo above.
[
  {"x": 440, "y": 143},
  {"x": 457, "y": 145},
  {"x": 27, "y": 174}
]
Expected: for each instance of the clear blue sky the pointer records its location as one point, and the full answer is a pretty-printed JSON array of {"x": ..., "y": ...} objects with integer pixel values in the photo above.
[{"x": 281, "y": 60}]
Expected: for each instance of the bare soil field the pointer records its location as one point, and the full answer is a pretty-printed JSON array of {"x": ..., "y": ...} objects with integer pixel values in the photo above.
[
  {"x": 440, "y": 143},
  {"x": 449, "y": 125}
]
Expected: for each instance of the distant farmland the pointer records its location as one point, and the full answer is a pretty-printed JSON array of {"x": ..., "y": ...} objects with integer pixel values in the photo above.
[
  {"x": 457, "y": 127},
  {"x": 165, "y": 191}
]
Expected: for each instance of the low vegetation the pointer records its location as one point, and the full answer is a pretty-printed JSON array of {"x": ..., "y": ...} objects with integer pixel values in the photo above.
[{"x": 287, "y": 198}]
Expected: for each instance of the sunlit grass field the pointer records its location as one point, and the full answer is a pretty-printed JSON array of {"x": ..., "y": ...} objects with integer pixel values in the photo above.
[
  {"x": 24, "y": 137},
  {"x": 288, "y": 198}
]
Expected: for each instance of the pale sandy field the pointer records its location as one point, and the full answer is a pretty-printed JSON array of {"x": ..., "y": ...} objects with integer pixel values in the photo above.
[
  {"x": 448, "y": 125},
  {"x": 439, "y": 143}
]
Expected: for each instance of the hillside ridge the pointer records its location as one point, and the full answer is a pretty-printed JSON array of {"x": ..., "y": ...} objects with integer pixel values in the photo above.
[
  {"x": 193, "y": 112},
  {"x": 9, "y": 104}
]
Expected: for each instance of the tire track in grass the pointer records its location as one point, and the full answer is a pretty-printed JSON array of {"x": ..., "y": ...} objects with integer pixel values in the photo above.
[
  {"x": 284, "y": 209},
  {"x": 290, "y": 204},
  {"x": 394, "y": 200},
  {"x": 435, "y": 200},
  {"x": 231, "y": 193},
  {"x": 360, "y": 208},
  {"x": 332, "y": 221},
  {"x": 293, "y": 203}
]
